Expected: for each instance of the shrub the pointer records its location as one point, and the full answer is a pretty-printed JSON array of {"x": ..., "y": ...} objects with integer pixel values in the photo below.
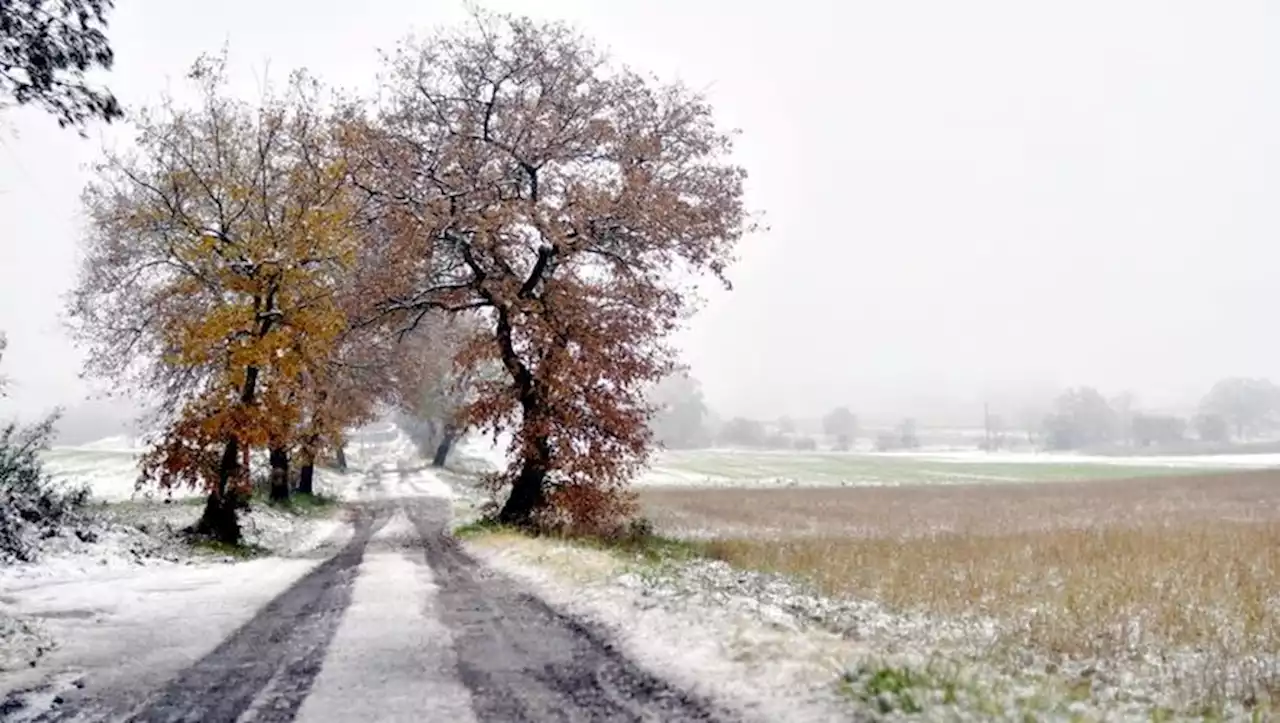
[{"x": 32, "y": 506}]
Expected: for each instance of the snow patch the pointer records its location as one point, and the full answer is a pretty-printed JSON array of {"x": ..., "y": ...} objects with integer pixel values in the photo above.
[
  {"x": 389, "y": 635},
  {"x": 135, "y": 628}
]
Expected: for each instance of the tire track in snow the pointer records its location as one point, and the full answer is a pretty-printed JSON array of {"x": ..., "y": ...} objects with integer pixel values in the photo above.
[
  {"x": 264, "y": 670},
  {"x": 522, "y": 660},
  {"x": 271, "y": 662}
]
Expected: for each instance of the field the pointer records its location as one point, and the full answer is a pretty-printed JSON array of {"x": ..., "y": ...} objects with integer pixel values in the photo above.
[
  {"x": 742, "y": 468},
  {"x": 1169, "y": 584}
]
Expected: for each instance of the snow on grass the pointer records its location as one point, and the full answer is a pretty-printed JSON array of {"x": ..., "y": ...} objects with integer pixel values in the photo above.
[
  {"x": 132, "y": 606},
  {"x": 777, "y": 649},
  {"x": 755, "y": 660},
  {"x": 136, "y": 628},
  {"x": 736, "y": 468},
  {"x": 111, "y": 473},
  {"x": 1133, "y": 599}
]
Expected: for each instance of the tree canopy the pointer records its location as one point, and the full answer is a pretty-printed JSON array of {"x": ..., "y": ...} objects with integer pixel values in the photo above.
[
  {"x": 272, "y": 273},
  {"x": 1247, "y": 405},
  {"x": 48, "y": 46},
  {"x": 213, "y": 257},
  {"x": 556, "y": 195}
]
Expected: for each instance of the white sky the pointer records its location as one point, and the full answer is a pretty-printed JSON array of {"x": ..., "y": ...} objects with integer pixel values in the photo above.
[{"x": 963, "y": 197}]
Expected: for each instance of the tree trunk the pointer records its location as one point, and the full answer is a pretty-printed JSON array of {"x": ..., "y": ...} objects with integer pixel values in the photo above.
[
  {"x": 342, "y": 458},
  {"x": 445, "y": 446},
  {"x": 279, "y": 474},
  {"x": 307, "y": 473},
  {"x": 306, "y": 479},
  {"x": 528, "y": 492},
  {"x": 219, "y": 518}
]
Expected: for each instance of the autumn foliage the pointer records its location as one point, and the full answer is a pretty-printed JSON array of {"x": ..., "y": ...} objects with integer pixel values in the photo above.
[
  {"x": 564, "y": 198},
  {"x": 281, "y": 270},
  {"x": 210, "y": 273}
]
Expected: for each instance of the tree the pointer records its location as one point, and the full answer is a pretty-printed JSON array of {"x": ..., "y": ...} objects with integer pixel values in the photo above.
[
  {"x": 1124, "y": 405},
  {"x": 1212, "y": 428},
  {"x": 680, "y": 419},
  {"x": 786, "y": 426},
  {"x": 907, "y": 436},
  {"x": 1150, "y": 430},
  {"x": 556, "y": 195},
  {"x": 743, "y": 432},
  {"x": 438, "y": 387},
  {"x": 209, "y": 275},
  {"x": 47, "y": 48},
  {"x": 1081, "y": 418},
  {"x": 993, "y": 437},
  {"x": 1032, "y": 418},
  {"x": 1248, "y": 405},
  {"x": 841, "y": 424}
]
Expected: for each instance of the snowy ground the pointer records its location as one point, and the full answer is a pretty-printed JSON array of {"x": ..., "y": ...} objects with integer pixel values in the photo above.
[
  {"x": 773, "y": 649},
  {"x": 728, "y": 467},
  {"x": 133, "y": 608},
  {"x": 755, "y": 659}
]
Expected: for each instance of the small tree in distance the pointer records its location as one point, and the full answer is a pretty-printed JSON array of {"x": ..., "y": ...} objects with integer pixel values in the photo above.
[
  {"x": 1082, "y": 418},
  {"x": 1212, "y": 428},
  {"x": 841, "y": 425},
  {"x": 743, "y": 432},
  {"x": 1248, "y": 406},
  {"x": 680, "y": 414}
]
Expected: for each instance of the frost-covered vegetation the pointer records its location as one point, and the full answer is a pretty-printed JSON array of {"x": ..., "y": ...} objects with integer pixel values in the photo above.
[
  {"x": 32, "y": 506},
  {"x": 1135, "y": 600}
]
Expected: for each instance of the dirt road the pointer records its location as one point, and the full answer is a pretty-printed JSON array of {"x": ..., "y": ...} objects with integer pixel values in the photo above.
[{"x": 398, "y": 624}]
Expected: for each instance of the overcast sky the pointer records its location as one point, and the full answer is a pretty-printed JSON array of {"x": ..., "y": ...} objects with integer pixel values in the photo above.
[{"x": 963, "y": 198}]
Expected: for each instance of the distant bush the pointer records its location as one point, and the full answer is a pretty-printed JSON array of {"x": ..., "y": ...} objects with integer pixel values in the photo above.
[
  {"x": 32, "y": 507},
  {"x": 806, "y": 444},
  {"x": 777, "y": 441},
  {"x": 742, "y": 432}
]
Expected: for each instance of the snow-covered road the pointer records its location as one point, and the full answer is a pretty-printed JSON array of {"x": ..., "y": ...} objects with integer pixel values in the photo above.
[{"x": 392, "y": 622}]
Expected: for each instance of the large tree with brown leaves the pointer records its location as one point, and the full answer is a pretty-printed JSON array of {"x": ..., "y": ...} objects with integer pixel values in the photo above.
[
  {"x": 213, "y": 256},
  {"x": 565, "y": 199}
]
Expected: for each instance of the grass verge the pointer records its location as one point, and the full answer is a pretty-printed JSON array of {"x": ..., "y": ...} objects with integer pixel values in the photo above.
[
  {"x": 643, "y": 545},
  {"x": 215, "y": 548},
  {"x": 298, "y": 503}
]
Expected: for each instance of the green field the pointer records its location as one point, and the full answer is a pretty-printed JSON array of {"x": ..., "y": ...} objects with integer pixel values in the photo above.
[{"x": 717, "y": 467}]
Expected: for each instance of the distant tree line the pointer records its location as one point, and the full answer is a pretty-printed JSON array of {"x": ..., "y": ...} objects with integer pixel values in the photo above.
[
  {"x": 1235, "y": 410},
  {"x": 682, "y": 420}
]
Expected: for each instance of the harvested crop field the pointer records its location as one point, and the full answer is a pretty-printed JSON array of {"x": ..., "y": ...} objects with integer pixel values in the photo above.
[{"x": 1176, "y": 580}]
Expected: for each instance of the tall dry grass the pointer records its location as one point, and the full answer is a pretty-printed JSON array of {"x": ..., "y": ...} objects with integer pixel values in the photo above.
[{"x": 1075, "y": 570}]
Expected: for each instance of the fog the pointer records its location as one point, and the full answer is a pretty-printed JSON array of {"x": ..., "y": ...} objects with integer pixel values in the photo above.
[{"x": 965, "y": 201}]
